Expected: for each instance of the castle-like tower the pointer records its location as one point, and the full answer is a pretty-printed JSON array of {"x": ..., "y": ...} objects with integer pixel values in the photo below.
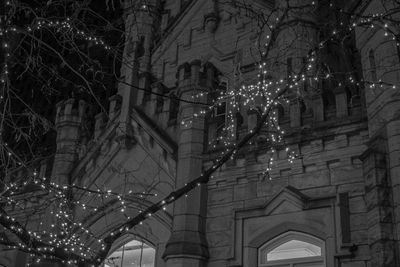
[{"x": 336, "y": 204}]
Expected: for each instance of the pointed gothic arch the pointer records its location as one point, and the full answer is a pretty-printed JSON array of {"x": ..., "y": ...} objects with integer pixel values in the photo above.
[{"x": 133, "y": 251}]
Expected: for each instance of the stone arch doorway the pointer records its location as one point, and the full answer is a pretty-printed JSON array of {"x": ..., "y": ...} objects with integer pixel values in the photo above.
[
  {"x": 134, "y": 253},
  {"x": 292, "y": 249},
  {"x": 154, "y": 232}
]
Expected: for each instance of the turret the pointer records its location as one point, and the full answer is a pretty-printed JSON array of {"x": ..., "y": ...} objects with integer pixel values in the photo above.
[
  {"x": 70, "y": 116},
  {"x": 139, "y": 24},
  {"x": 381, "y": 165}
]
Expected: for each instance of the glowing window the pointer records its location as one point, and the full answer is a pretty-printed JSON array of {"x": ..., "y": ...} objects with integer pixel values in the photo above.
[
  {"x": 132, "y": 254},
  {"x": 293, "y": 249}
]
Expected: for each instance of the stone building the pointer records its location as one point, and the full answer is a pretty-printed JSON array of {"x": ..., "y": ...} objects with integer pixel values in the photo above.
[{"x": 336, "y": 204}]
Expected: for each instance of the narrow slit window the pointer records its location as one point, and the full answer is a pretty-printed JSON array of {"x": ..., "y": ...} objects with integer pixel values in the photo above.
[
  {"x": 372, "y": 65},
  {"x": 289, "y": 67}
]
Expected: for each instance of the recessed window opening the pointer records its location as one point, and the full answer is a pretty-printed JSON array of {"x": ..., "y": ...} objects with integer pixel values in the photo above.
[
  {"x": 133, "y": 254},
  {"x": 293, "y": 249}
]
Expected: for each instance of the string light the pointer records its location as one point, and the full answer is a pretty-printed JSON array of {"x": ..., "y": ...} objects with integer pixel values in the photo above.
[{"x": 65, "y": 26}]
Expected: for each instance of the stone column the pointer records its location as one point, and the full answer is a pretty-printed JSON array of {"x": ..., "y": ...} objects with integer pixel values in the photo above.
[
  {"x": 393, "y": 141},
  {"x": 128, "y": 94},
  {"x": 383, "y": 102},
  {"x": 187, "y": 245},
  {"x": 378, "y": 198}
]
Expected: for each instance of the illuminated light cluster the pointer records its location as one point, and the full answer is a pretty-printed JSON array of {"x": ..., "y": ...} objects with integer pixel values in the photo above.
[
  {"x": 65, "y": 26},
  {"x": 266, "y": 88},
  {"x": 64, "y": 224}
]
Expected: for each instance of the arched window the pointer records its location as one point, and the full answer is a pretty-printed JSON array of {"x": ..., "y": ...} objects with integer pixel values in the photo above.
[
  {"x": 133, "y": 254},
  {"x": 173, "y": 109},
  {"x": 292, "y": 249}
]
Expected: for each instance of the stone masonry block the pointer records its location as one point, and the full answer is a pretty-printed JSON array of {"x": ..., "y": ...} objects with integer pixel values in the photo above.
[
  {"x": 245, "y": 191},
  {"x": 357, "y": 205},
  {"x": 220, "y": 196}
]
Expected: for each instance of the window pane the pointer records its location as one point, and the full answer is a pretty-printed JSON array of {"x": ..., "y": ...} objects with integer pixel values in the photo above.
[
  {"x": 133, "y": 254},
  {"x": 293, "y": 249}
]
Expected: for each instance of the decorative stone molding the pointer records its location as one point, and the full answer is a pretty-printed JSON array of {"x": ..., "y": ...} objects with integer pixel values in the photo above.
[
  {"x": 211, "y": 22},
  {"x": 255, "y": 226}
]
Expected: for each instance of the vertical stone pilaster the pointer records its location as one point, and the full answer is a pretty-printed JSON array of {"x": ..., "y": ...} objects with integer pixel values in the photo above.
[
  {"x": 393, "y": 137},
  {"x": 378, "y": 198},
  {"x": 187, "y": 245},
  {"x": 128, "y": 93},
  {"x": 380, "y": 62},
  {"x": 137, "y": 53},
  {"x": 295, "y": 113}
]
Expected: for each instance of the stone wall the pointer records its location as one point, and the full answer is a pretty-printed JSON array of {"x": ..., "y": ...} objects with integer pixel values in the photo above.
[{"x": 325, "y": 169}]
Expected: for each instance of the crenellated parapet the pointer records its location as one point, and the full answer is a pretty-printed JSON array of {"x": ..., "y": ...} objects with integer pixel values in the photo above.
[
  {"x": 162, "y": 104},
  {"x": 323, "y": 157},
  {"x": 71, "y": 116},
  {"x": 78, "y": 129},
  {"x": 322, "y": 105},
  {"x": 195, "y": 74},
  {"x": 70, "y": 110}
]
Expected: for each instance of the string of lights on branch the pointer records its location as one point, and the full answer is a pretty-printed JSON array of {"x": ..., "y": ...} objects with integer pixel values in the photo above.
[{"x": 65, "y": 26}]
